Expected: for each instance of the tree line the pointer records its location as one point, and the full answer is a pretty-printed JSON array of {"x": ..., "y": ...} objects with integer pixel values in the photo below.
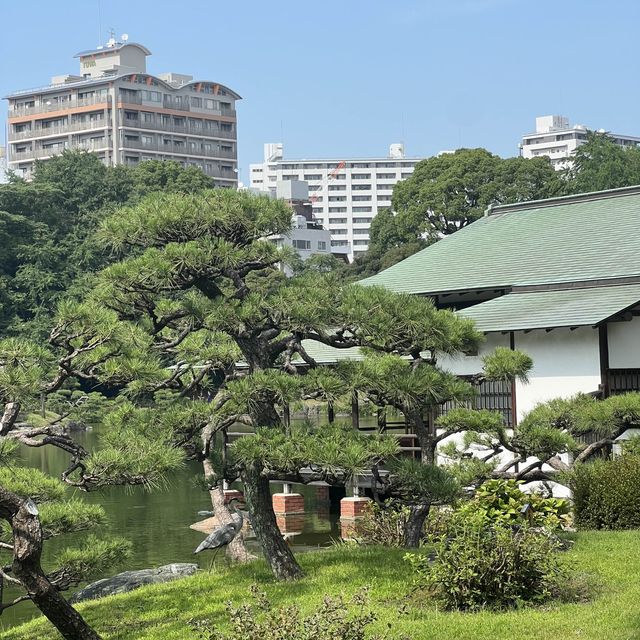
[{"x": 450, "y": 191}]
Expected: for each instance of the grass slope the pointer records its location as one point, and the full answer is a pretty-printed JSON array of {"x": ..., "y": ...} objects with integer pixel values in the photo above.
[{"x": 166, "y": 611}]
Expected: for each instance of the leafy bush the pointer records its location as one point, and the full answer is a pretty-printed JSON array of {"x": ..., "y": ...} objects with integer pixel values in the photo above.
[
  {"x": 494, "y": 567},
  {"x": 606, "y": 493},
  {"x": 261, "y": 621},
  {"x": 502, "y": 502},
  {"x": 383, "y": 525}
]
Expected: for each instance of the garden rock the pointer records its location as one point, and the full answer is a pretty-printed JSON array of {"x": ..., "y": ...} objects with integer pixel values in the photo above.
[{"x": 130, "y": 580}]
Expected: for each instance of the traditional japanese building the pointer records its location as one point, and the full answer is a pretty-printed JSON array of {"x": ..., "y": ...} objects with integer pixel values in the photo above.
[{"x": 558, "y": 279}]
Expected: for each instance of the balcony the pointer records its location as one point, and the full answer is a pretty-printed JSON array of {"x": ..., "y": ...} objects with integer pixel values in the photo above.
[
  {"x": 39, "y": 153},
  {"x": 41, "y": 132},
  {"x": 184, "y": 150},
  {"x": 18, "y": 112},
  {"x": 178, "y": 128}
]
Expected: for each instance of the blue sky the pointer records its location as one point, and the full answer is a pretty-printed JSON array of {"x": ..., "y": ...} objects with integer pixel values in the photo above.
[{"x": 346, "y": 78}]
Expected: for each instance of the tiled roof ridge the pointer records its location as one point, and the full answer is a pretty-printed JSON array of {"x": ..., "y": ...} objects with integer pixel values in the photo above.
[{"x": 561, "y": 200}]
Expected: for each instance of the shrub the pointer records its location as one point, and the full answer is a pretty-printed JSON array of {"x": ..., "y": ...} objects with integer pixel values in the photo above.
[
  {"x": 261, "y": 621},
  {"x": 606, "y": 493},
  {"x": 494, "y": 567},
  {"x": 503, "y": 502},
  {"x": 383, "y": 525}
]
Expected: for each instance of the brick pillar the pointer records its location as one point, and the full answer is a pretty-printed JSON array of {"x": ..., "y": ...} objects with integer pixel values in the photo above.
[
  {"x": 351, "y": 510},
  {"x": 289, "y": 508},
  {"x": 288, "y": 503},
  {"x": 230, "y": 494}
]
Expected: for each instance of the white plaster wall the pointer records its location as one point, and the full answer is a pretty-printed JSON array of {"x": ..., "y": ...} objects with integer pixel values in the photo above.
[
  {"x": 624, "y": 344},
  {"x": 470, "y": 365},
  {"x": 565, "y": 362}
]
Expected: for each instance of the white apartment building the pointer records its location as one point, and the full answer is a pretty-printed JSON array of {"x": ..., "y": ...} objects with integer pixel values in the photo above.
[
  {"x": 345, "y": 194},
  {"x": 3, "y": 165},
  {"x": 124, "y": 115},
  {"x": 555, "y": 138},
  {"x": 307, "y": 236}
]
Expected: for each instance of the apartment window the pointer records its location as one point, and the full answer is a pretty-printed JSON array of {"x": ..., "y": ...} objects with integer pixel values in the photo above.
[
  {"x": 361, "y": 187},
  {"x": 362, "y": 220},
  {"x": 360, "y": 176},
  {"x": 337, "y": 209},
  {"x": 385, "y": 176},
  {"x": 384, "y": 196},
  {"x": 225, "y": 126},
  {"x": 339, "y": 243},
  {"x": 337, "y": 187},
  {"x": 360, "y": 165},
  {"x": 361, "y": 209},
  {"x": 360, "y": 243},
  {"x": 406, "y": 175},
  {"x": 131, "y": 115},
  {"x": 408, "y": 164},
  {"x": 338, "y": 232},
  {"x": 338, "y": 220},
  {"x": 322, "y": 245},
  {"x": 317, "y": 210},
  {"x": 196, "y": 102},
  {"x": 210, "y": 104},
  {"x": 313, "y": 176},
  {"x": 301, "y": 244},
  {"x": 152, "y": 96},
  {"x": 147, "y": 139},
  {"x": 337, "y": 198},
  {"x": 384, "y": 187},
  {"x": 146, "y": 116},
  {"x": 361, "y": 232},
  {"x": 361, "y": 198}
]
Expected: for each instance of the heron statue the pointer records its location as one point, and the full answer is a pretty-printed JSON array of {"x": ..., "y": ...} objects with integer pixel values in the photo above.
[{"x": 224, "y": 535}]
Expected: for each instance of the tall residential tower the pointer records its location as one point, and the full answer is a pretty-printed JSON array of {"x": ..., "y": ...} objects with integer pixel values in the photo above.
[
  {"x": 124, "y": 115},
  {"x": 346, "y": 194}
]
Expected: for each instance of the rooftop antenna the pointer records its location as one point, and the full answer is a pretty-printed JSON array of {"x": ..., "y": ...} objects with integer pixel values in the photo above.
[
  {"x": 99, "y": 22},
  {"x": 112, "y": 38}
]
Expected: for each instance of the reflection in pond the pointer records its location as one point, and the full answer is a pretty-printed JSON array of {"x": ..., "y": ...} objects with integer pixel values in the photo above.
[{"x": 158, "y": 522}]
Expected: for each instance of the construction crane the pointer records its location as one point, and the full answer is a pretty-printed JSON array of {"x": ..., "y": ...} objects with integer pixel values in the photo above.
[{"x": 330, "y": 178}]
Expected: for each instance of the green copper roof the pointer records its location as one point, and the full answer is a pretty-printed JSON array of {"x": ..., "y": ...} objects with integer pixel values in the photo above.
[
  {"x": 548, "y": 309},
  {"x": 587, "y": 237},
  {"x": 324, "y": 354}
]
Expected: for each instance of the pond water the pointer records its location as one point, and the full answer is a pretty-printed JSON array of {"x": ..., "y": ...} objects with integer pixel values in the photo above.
[{"x": 157, "y": 522}]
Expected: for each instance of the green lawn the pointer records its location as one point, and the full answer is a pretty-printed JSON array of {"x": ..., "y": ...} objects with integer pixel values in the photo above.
[{"x": 164, "y": 612}]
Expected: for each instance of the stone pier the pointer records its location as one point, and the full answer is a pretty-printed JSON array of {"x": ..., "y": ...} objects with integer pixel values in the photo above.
[
  {"x": 289, "y": 510},
  {"x": 351, "y": 510}
]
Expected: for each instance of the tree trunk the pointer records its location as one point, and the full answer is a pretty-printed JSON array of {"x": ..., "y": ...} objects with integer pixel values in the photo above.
[
  {"x": 263, "y": 520},
  {"x": 426, "y": 437},
  {"x": 415, "y": 525},
  {"x": 22, "y": 515},
  {"x": 236, "y": 550}
]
